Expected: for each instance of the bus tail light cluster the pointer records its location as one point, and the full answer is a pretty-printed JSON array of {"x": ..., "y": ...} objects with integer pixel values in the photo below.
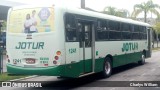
[
  {"x": 58, "y": 53},
  {"x": 8, "y": 59},
  {"x": 56, "y": 57},
  {"x": 54, "y": 62}
]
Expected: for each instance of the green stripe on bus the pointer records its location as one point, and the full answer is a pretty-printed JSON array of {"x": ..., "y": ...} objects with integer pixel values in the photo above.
[{"x": 75, "y": 69}]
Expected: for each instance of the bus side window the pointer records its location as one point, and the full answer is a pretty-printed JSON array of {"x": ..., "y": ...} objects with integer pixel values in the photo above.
[
  {"x": 80, "y": 33},
  {"x": 102, "y": 30},
  {"x": 87, "y": 29},
  {"x": 144, "y": 33},
  {"x": 114, "y": 30},
  {"x": 86, "y": 32},
  {"x": 70, "y": 27},
  {"x": 135, "y": 33},
  {"x": 126, "y": 31}
]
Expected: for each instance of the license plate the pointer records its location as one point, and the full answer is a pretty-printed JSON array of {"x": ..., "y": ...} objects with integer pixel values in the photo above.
[{"x": 30, "y": 61}]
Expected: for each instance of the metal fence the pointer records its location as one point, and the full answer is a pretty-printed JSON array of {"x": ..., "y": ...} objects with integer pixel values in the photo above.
[
  {"x": 2, "y": 49},
  {"x": 1, "y": 59},
  {"x": 156, "y": 44}
]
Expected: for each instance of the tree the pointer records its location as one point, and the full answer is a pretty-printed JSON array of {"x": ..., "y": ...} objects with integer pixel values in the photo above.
[
  {"x": 157, "y": 31},
  {"x": 123, "y": 13},
  {"x": 149, "y": 6},
  {"x": 116, "y": 12},
  {"x": 157, "y": 27},
  {"x": 4, "y": 24},
  {"x": 109, "y": 10}
]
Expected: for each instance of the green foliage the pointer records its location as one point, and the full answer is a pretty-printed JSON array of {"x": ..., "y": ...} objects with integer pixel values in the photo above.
[
  {"x": 4, "y": 24},
  {"x": 157, "y": 27},
  {"x": 109, "y": 10},
  {"x": 155, "y": 49},
  {"x": 145, "y": 7},
  {"x": 6, "y": 77},
  {"x": 116, "y": 12}
]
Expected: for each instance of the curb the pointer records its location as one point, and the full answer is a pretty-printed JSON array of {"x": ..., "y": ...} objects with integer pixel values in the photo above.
[{"x": 24, "y": 78}]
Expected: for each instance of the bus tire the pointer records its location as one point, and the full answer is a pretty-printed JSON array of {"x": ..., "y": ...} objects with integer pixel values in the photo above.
[
  {"x": 107, "y": 68},
  {"x": 142, "y": 61}
]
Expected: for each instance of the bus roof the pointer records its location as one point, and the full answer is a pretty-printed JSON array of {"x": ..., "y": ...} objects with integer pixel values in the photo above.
[
  {"x": 105, "y": 16},
  {"x": 86, "y": 13}
]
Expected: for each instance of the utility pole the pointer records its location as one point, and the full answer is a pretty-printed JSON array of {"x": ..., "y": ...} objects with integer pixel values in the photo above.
[{"x": 83, "y": 4}]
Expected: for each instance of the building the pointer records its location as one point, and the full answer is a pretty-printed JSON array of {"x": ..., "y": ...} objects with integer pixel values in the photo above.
[{"x": 4, "y": 7}]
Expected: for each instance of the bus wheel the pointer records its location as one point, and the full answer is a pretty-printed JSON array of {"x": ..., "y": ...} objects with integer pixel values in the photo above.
[
  {"x": 142, "y": 60},
  {"x": 107, "y": 68}
]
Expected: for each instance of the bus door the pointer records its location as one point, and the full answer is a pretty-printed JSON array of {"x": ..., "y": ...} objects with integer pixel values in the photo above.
[{"x": 86, "y": 45}]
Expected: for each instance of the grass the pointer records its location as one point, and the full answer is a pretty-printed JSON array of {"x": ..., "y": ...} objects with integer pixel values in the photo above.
[
  {"x": 6, "y": 77},
  {"x": 156, "y": 48}
]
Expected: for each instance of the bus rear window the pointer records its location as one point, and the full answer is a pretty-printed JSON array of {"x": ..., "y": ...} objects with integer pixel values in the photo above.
[{"x": 33, "y": 20}]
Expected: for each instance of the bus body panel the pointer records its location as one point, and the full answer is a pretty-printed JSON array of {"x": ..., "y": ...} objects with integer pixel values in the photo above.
[
  {"x": 73, "y": 60},
  {"x": 23, "y": 46},
  {"x": 132, "y": 50}
]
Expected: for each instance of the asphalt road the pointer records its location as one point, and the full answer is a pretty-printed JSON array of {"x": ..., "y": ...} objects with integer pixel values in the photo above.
[{"x": 131, "y": 72}]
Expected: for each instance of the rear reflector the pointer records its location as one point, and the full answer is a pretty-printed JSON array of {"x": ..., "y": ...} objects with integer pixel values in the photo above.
[
  {"x": 7, "y": 56},
  {"x": 45, "y": 64},
  {"x": 8, "y": 61}
]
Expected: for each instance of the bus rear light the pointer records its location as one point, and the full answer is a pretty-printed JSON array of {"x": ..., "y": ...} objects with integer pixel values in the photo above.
[
  {"x": 54, "y": 62},
  {"x": 58, "y": 52},
  {"x": 7, "y": 57},
  {"x": 56, "y": 57},
  {"x": 8, "y": 61}
]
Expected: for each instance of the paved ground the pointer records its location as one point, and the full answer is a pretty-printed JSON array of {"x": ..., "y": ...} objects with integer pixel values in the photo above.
[{"x": 132, "y": 72}]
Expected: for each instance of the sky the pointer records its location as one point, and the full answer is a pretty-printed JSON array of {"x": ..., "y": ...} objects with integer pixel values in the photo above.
[{"x": 97, "y": 5}]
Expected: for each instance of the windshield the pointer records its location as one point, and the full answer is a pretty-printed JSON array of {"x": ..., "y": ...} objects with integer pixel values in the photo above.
[{"x": 33, "y": 20}]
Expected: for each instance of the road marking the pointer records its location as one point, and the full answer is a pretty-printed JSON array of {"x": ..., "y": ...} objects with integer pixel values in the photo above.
[
  {"x": 33, "y": 76},
  {"x": 131, "y": 79},
  {"x": 143, "y": 74},
  {"x": 157, "y": 88},
  {"x": 112, "y": 88},
  {"x": 153, "y": 69}
]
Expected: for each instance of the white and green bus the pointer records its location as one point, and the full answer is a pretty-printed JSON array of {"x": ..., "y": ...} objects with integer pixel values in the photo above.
[{"x": 72, "y": 42}]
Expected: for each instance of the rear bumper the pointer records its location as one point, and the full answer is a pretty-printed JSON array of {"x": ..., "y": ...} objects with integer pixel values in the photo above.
[{"x": 50, "y": 71}]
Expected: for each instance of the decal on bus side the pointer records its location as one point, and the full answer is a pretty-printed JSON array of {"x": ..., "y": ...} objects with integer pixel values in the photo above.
[
  {"x": 30, "y": 45},
  {"x": 129, "y": 46},
  {"x": 44, "y": 62},
  {"x": 72, "y": 50},
  {"x": 16, "y": 60},
  {"x": 44, "y": 58}
]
